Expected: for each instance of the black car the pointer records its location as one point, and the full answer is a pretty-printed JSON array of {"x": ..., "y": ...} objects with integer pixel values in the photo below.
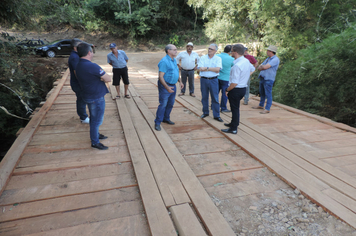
[
  {"x": 31, "y": 43},
  {"x": 59, "y": 47}
]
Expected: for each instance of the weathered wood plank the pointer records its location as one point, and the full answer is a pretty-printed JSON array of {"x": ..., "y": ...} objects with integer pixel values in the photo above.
[
  {"x": 158, "y": 219},
  {"x": 168, "y": 182},
  {"x": 206, "y": 209},
  {"x": 70, "y": 203},
  {"x": 186, "y": 221},
  {"x": 35, "y": 193}
]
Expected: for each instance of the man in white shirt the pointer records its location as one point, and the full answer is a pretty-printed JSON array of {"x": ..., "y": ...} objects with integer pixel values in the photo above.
[
  {"x": 209, "y": 67},
  {"x": 189, "y": 62},
  {"x": 239, "y": 76}
]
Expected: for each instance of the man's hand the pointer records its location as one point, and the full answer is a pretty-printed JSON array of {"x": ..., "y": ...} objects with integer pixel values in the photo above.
[
  {"x": 181, "y": 85},
  {"x": 170, "y": 89}
]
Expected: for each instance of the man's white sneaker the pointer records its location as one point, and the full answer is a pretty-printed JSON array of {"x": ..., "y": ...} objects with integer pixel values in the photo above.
[{"x": 86, "y": 121}]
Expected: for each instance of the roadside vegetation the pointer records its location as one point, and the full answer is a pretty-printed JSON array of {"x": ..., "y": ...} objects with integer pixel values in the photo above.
[{"x": 315, "y": 39}]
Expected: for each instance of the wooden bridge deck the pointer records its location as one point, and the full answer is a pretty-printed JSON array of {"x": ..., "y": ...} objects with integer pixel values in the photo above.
[{"x": 161, "y": 183}]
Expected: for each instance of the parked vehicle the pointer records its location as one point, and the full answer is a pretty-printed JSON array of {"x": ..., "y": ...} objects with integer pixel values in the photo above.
[
  {"x": 31, "y": 43},
  {"x": 59, "y": 47}
]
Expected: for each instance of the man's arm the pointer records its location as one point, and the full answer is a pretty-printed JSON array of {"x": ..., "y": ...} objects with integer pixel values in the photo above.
[
  {"x": 213, "y": 69},
  {"x": 106, "y": 78},
  {"x": 264, "y": 67}
]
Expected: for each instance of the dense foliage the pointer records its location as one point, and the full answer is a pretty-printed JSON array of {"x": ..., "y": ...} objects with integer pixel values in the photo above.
[
  {"x": 133, "y": 19},
  {"x": 322, "y": 80}
]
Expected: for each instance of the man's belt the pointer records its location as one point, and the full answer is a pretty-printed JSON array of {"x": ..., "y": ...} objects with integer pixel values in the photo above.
[
  {"x": 209, "y": 77},
  {"x": 188, "y": 70},
  {"x": 170, "y": 84}
]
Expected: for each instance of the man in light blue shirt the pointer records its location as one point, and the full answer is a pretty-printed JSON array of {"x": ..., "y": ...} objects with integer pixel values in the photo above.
[
  {"x": 209, "y": 67},
  {"x": 118, "y": 59},
  {"x": 267, "y": 77},
  {"x": 239, "y": 76},
  {"x": 224, "y": 74},
  {"x": 168, "y": 76}
]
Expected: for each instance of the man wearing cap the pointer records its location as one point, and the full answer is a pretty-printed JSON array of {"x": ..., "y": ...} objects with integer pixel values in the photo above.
[
  {"x": 224, "y": 75},
  {"x": 267, "y": 77},
  {"x": 239, "y": 76},
  {"x": 72, "y": 63},
  {"x": 254, "y": 62},
  {"x": 118, "y": 60},
  {"x": 168, "y": 76},
  {"x": 209, "y": 67},
  {"x": 189, "y": 62}
]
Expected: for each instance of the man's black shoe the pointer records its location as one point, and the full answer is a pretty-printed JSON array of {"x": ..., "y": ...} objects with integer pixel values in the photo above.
[
  {"x": 158, "y": 127},
  {"x": 203, "y": 116},
  {"x": 227, "y": 124},
  {"x": 230, "y": 131},
  {"x": 101, "y": 136},
  {"x": 99, "y": 146},
  {"x": 218, "y": 119},
  {"x": 168, "y": 122}
]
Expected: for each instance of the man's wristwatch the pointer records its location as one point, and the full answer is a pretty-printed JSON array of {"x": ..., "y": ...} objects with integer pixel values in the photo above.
[{"x": 226, "y": 90}]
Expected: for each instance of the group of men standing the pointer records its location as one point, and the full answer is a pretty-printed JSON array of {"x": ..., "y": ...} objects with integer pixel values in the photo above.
[{"x": 228, "y": 72}]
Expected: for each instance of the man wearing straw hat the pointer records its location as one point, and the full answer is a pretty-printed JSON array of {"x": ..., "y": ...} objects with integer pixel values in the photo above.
[{"x": 267, "y": 77}]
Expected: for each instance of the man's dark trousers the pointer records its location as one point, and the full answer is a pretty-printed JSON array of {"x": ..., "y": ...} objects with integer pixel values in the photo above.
[
  {"x": 235, "y": 95},
  {"x": 187, "y": 74}
]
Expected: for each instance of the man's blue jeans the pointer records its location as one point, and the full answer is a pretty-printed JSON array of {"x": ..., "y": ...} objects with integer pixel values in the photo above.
[
  {"x": 223, "y": 85},
  {"x": 166, "y": 102},
  {"x": 190, "y": 76},
  {"x": 247, "y": 94},
  {"x": 96, "y": 111},
  {"x": 266, "y": 93},
  {"x": 81, "y": 105},
  {"x": 210, "y": 86}
]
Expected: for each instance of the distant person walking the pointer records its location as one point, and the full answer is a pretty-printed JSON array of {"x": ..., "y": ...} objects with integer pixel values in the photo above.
[
  {"x": 267, "y": 77},
  {"x": 118, "y": 59},
  {"x": 73, "y": 62},
  {"x": 239, "y": 76},
  {"x": 254, "y": 62},
  {"x": 189, "y": 62},
  {"x": 224, "y": 75},
  {"x": 92, "y": 79},
  {"x": 209, "y": 67},
  {"x": 168, "y": 76}
]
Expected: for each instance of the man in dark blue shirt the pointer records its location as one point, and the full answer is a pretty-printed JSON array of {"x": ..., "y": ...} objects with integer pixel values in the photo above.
[
  {"x": 92, "y": 79},
  {"x": 73, "y": 62},
  {"x": 168, "y": 76}
]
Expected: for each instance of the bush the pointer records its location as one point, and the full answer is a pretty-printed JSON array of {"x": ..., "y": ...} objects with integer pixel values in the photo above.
[{"x": 322, "y": 80}]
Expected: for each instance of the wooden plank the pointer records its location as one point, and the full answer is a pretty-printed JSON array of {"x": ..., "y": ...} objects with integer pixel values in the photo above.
[
  {"x": 211, "y": 217},
  {"x": 55, "y": 221},
  {"x": 35, "y": 193},
  {"x": 68, "y": 175},
  {"x": 291, "y": 177},
  {"x": 341, "y": 198},
  {"x": 158, "y": 218},
  {"x": 69, "y": 203},
  {"x": 332, "y": 176},
  {"x": 186, "y": 221},
  {"x": 168, "y": 182},
  {"x": 54, "y": 161},
  {"x": 9, "y": 162},
  {"x": 128, "y": 226}
]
